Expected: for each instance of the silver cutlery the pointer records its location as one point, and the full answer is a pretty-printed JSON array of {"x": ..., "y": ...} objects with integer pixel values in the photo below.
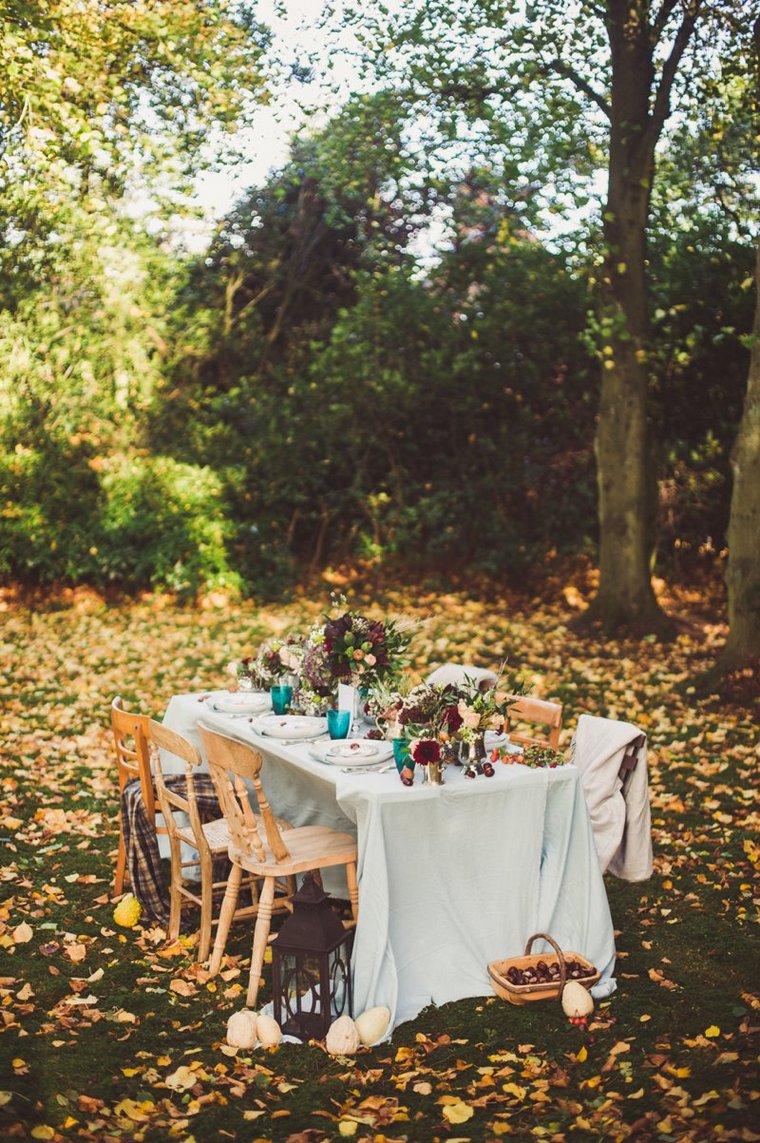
[
  {"x": 290, "y": 741},
  {"x": 367, "y": 769}
]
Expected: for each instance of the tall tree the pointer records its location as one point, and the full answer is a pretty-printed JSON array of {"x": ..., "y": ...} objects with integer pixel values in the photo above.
[
  {"x": 622, "y": 61},
  {"x": 742, "y": 649},
  {"x": 744, "y": 526}
]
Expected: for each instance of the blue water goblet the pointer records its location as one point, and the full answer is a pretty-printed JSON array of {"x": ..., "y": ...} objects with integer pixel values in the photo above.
[
  {"x": 282, "y": 696},
  {"x": 338, "y": 723}
]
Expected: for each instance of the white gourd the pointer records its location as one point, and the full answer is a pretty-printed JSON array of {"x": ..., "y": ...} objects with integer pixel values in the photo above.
[
  {"x": 342, "y": 1038},
  {"x": 268, "y": 1031},
  {"x": 372, "y": 1025},
  {"x": 576, "y": 1000},
  {"x": 241, "y": 1029}
]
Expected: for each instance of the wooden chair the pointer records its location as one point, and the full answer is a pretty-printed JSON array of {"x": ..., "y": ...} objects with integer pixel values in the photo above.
[
  {"x": 209, "y": 839},
  {"x": 258, "y": 846},
  {"x": 130, "y": 733},
  {"x": 547, "y": 715}
]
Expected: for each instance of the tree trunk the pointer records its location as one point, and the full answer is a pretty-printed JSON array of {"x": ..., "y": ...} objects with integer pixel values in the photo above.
[
  {"x": 625, "y": 471},
  {"x": 743, "y": 577}
]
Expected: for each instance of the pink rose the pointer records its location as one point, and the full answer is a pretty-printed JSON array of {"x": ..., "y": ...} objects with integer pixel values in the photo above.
[{"x": 470, "y": 718}]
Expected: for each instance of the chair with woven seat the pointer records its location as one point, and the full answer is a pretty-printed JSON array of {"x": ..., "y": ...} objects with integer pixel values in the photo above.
[
  {"x": 537, "y": 713},
  {"x": 258, "y": 846},
  {"x": 178, "y": 802},
  {"x": 130, "y": 733}
]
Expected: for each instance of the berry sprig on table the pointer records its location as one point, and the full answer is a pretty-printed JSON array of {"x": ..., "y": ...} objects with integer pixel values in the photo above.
[{"x": 535, "y": 757}]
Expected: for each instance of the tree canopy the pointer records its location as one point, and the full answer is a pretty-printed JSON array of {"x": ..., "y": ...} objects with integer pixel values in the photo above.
[{"x": 391, "y": 350}]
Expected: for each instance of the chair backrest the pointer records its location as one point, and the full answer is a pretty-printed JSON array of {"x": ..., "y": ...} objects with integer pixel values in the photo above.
[
  {"x": 232, "y": 764},
  {"x": 539, "y": 712},
  {"x": 169, "y": 799},
  {"x": 130, "y": 735}
]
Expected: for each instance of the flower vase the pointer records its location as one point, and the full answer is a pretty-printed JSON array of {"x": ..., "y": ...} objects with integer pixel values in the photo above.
[
  {"x": 404, "y": 761},
  {"x": 433, "y": 774},
  {"x": 473, "y": 754},
  {"x": 358, "y": 706}
]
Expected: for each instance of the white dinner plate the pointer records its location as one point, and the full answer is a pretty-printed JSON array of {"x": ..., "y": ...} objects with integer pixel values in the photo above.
[
  {"x": 290, "y": 726},
  {"x": 352, "y": 752},
  {"x": 240, "y": 702}
]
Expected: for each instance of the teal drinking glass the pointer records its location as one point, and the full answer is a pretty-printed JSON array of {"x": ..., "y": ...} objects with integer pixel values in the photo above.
[
  {"x": 282, "y": 696},
  {"x": 338, "y": 723}
]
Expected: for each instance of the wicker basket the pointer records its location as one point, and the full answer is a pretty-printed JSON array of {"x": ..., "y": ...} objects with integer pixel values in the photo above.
[{"x": 543, "y": 990}]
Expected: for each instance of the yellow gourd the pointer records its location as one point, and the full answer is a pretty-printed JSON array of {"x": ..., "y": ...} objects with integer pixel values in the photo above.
[{"x": 128, "y": 912}]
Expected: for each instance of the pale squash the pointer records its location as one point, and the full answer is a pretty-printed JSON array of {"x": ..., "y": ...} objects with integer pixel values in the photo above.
[
  {"x": 373, "y": 1024},
  {"x": 268, "y": 1031},
  {"x": 342, "y": 1038},
  {"x": 241, "y": 1029},
  {"x": 577, "y": 1002}
]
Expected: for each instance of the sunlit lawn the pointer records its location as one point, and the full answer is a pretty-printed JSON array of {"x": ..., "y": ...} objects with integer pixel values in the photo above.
[{"x": 101, "y": 1025}]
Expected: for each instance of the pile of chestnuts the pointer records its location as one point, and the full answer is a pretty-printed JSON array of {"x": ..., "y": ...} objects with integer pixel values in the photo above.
[{"x": 543, "y": 973}]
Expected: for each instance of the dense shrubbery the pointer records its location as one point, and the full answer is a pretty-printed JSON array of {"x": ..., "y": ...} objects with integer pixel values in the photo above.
[
  {"x": 304, "y": 394},
  {"x": 133, "y": 522}
]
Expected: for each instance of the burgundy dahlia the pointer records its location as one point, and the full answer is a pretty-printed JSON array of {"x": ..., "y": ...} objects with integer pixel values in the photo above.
[{"x": 426, "y": 750}]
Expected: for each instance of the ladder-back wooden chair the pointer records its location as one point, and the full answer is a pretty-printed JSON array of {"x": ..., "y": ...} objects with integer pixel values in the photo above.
[
  {"x": 258, "y": 846},
  {"x": 534, "y": 722},
  {"x": 130, "y": 734},
  {"x": 178, "y": 802}
]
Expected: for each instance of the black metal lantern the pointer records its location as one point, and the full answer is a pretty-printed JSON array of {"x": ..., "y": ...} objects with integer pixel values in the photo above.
[{"x": 311, "y": 966}]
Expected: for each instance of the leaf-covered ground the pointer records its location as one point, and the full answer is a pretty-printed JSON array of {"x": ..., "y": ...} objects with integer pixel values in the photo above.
[{"x": 109, "y": 1034}]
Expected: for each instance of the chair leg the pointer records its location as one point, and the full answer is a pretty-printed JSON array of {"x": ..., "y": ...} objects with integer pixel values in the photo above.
[
  {"x": 121, "y": 866},
  {"x": 207, "y": 906},
  {"x": 260, "y": 937},
  {"x": 226, "y": 913},
  {"x": 353, "y": 889},
  {"x": 175, "y": 896}
]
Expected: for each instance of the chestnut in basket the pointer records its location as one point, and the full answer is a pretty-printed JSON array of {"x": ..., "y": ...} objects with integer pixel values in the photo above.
[{"x": 544, "y": 972}]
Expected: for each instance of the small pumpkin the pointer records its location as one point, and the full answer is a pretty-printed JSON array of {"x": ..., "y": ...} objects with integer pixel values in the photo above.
[
  {"x": 577, "y": 1002},
  {"x": 242, "y": 1029},
  {"x": 342, "y": 1038},
  {"x": 128, "y": 912},
  {"x": 268, "y": 1031},
  {"x": 372, "y": 1025}
]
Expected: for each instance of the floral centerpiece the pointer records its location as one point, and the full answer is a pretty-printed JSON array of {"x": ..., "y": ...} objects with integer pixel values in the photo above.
[
  {"x": 244, "y": 672},
  {"x": 318, "y": 683},
  {"x": 363, "y": 652},
  {"x": 482, "y": 709},
  {"x": 279, "y": 657},
  {"x": 486, "y": 708},
  {"x": 422, "y": 722},
  {"x": 428, "y": 717}
]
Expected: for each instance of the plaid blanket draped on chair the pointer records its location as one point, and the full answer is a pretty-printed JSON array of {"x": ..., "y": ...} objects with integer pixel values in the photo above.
[{"x": 146, "y": 875}]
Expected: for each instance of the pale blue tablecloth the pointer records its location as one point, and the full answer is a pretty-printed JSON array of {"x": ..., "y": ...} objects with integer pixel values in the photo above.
[{"x": 450, "y": 877}]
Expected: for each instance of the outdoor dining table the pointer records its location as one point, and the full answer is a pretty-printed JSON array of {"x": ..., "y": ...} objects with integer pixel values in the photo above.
[{"x": 451, "y": 877}]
